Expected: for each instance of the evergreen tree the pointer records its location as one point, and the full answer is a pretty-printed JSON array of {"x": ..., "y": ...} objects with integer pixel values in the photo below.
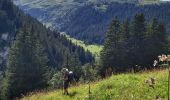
[
  {"x": 150, "y": 39},
  {"x": 110, "y": 55},
  {"x": 26, "y": 67},
  {"x": 133, "y": 45},
  {"x": 126, "y": 43},
  {"x": 157, "y": 41},
  {"x": 163, "y": 38},
  {"x": 137, "y": 42},
  {"x": 126, "y": 30}
]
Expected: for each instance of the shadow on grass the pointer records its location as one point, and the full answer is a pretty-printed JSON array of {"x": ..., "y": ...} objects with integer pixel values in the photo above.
[{"x": 72, "y": 94}]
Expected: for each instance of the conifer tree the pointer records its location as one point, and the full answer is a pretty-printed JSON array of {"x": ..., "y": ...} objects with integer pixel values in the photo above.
[
  {"x": 126, "y": 42},
  {"x": 110, "y": 55},
  {"x": 133, "y": 45},
  {"x": 137, "y": 43},
  {"x": 26, "y": 67},
  {"x": 157, "y": 41}
]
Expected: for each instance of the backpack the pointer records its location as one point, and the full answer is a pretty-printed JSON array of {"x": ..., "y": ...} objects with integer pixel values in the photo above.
[{"x": 70, "y": 76}]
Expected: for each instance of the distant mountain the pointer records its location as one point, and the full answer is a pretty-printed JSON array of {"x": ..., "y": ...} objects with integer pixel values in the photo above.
[
  {"x": 88, "y": 19},
  {"x": 58, "y": 47}
]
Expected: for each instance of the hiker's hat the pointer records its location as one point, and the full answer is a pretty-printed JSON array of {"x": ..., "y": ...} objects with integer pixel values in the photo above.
[{"x": 64, "y": 70}]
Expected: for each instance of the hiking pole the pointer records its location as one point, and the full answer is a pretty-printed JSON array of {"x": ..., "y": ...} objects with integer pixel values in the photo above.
[
  {"x": 89, "y": 91},
  {"x": 62, "y": 85},
  {"x": 75, "y": 81}
]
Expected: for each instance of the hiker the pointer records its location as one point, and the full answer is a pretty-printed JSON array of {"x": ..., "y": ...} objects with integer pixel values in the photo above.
[{"x": 65, "y": 80}]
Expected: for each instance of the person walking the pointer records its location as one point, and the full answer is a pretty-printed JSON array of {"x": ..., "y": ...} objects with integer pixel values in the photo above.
[{"x": 65, "y": 80}]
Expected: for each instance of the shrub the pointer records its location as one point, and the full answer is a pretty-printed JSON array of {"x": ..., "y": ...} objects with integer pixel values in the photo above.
[{"x": 56, "y": 81}]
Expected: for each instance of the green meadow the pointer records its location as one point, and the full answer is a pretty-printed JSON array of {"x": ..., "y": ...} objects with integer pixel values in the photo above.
[
  {"x": 93, "y": 48},
  {"x": 130, "y": 86}
]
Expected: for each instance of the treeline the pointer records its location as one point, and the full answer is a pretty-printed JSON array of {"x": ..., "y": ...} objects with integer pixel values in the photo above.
[
  {"x": 133, "y": 44},
  {"x": 35, "y": 53}
]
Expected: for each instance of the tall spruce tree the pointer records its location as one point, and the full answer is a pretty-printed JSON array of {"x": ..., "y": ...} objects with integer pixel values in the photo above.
[
  {"x": 126, "y": 30},
  {"x": 110, "y": 55},
  {"x": 163, "y": 38},
  {"x": 126, "y": 42},
  {"x": 26, "y": 67},
  {"x": 137, "y": 43},
  {"x": 157, "y": 41}
]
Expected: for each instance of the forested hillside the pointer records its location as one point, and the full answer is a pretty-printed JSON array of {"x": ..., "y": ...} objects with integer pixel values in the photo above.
[
  {"x": 58, "y": 47},
  {"x": 30, "y": 53},
  {"x": 88, "y": 21}
]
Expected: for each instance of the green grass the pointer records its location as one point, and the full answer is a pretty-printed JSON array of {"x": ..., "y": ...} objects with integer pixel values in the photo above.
[
  {"x": 93, "y": 48},
  {"x": 118, "y": 87},
  {"x": 144, "y": 2}
]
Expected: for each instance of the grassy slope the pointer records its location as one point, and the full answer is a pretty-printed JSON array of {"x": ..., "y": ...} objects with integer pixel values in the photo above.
[
  {"x": 118, "y": 87},
  {"x": 150, "y": 2},
  {"x": 94, "y": 49}
]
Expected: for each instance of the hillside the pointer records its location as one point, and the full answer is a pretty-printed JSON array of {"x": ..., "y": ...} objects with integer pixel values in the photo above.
[
  {"x": 118, "y": 87},
  {"x": 13, "y": 20},
  {"x": 20, "y": 36},
  {"x": 88, "y": 20}
]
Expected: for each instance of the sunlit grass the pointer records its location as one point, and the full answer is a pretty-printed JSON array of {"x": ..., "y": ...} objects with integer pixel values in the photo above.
[
  {"x": 149, "y": 2},
  {"x": 93, "y": 48},
  {"x": 117, "y": 87}
]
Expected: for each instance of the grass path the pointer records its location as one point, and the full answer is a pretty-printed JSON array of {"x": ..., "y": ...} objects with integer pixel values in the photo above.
[{"x": 117, "y": 87}]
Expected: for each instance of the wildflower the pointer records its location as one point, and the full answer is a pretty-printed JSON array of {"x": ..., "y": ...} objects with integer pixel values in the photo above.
[
  {"x": 150, "y": 82},
  {"x": 158, "y": 98},
  {"x": 162, "y": 58}
]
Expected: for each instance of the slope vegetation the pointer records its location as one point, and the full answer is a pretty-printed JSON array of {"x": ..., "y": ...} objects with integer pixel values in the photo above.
[{"x": 118, "y": 87}]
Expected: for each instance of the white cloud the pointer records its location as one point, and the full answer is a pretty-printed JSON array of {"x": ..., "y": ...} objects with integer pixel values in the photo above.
[{"x": 165, "y": 0}]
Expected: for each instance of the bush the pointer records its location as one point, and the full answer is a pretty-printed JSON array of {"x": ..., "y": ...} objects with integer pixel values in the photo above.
[{"x": 56, "y": 81}]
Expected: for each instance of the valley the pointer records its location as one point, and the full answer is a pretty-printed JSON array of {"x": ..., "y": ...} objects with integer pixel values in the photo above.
[
  {"x": 95, "y": 49},
  {"x": 84, "y": 50}
]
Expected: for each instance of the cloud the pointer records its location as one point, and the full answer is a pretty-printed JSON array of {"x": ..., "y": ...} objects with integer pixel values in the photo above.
[{"x": 165, "y": 0}]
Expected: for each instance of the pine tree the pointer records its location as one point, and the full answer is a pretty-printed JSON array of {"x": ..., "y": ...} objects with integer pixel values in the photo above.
[
  {"x": 151, "y": 48},
  {"x": 126, "y": 43},
  {"x": 137, "y": 42},
  {"x": 110, "y": 55},
  {"x": 126, "y": 30},
  {"x": 163, "y": 38},
  {"x": 157, "y": 41},
  {"x": 26, "y": 67},
  {"x": 135, "y": 45}
]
